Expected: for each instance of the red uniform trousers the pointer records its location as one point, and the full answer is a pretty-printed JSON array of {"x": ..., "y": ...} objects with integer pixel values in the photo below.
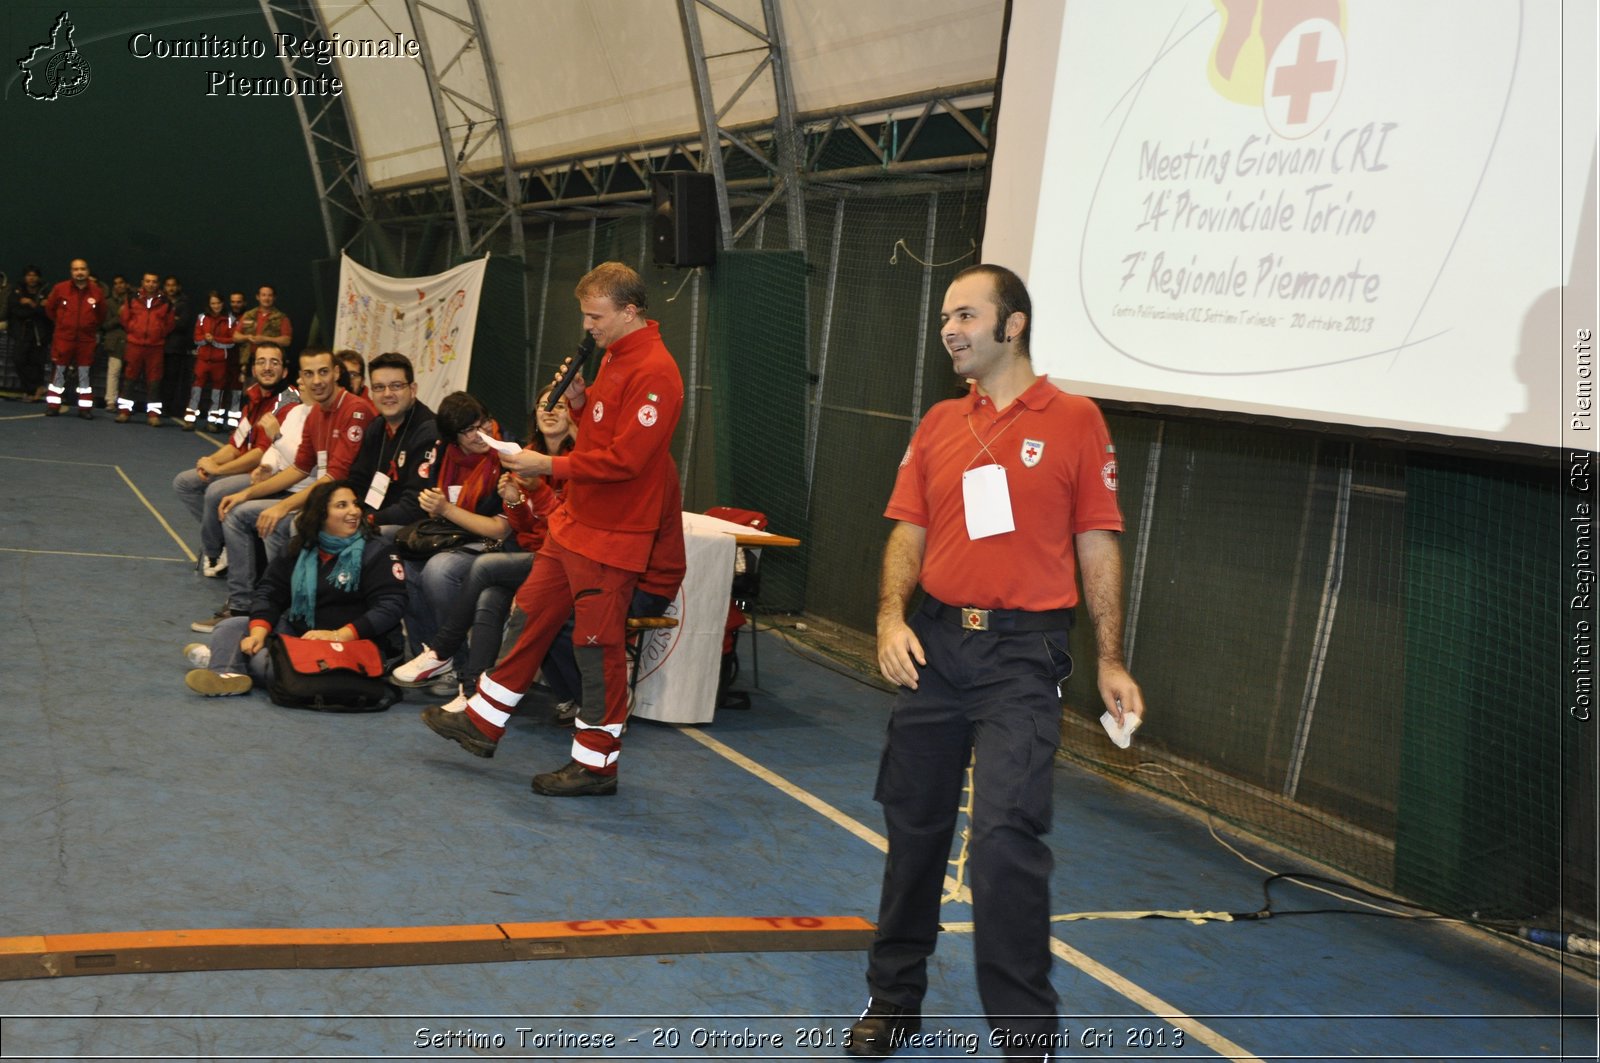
[
  {"x": 597, "y": 596},
  {"x": 143, "y": 361},
  {"x": 211, "y": 367},
  {"x": 72, "y": 350}
]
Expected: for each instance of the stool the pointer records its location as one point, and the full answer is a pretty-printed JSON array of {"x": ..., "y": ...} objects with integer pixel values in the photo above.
[{"x": 639, "y": 628}]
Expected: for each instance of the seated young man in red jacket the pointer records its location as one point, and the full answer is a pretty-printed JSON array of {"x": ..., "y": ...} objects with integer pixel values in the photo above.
[{"x": 599, "y": 541}]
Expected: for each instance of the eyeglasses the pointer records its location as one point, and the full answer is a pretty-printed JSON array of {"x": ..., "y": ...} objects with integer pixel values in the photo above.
[
  {"x": 381, "y": 388},
  {"x": 481, "y": 426}
]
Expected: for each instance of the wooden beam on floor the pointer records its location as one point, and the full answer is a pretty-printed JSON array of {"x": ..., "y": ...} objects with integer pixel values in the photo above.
[{"x": 168, "y": 951}]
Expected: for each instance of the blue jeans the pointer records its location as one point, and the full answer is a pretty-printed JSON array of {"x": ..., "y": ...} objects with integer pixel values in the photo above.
[
  {"x": 202, "y": 497},
  {"x": 477, "y": 618},
  {"x": 227, "y": 657},
  {"x": 239, "y": 534},
  {"x": 432, "y": 587}
]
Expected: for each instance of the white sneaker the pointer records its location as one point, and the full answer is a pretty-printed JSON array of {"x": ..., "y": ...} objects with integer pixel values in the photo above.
[
  {"x": 457, "y": 703},
  {"x": 422, "y": 668},
  {"x": 567, "y": 711},
  {"x": 198, "y": 654},
  {"x": 215, "y": 568}
]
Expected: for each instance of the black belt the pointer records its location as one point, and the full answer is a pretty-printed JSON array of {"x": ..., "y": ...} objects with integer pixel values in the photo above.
[{"x": 971, "y": 618}]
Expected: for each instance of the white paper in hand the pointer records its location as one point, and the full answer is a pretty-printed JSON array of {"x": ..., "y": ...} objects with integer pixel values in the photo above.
[
  {"x": 1121, "y": 734},
  {"x": 496, "y": 444}
]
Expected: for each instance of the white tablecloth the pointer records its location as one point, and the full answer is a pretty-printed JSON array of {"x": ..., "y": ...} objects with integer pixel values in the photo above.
[{"x": 678, "y": 667}]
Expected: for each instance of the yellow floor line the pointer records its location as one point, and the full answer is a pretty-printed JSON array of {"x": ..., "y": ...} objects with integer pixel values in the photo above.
[
  {"x": 1087, "y": 964},
  {"x": 83, "y": 553},
  {"x": 159, "y": 518}
]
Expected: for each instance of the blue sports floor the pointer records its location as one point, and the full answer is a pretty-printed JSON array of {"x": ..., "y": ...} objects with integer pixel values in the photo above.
[{"x": 128, "y": 803}]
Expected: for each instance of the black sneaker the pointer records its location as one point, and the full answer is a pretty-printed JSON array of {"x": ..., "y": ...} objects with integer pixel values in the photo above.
[
  {"x": 206, "y": 627},
  {"x": 574, "y": 780},
  {"x": 882, "y": 1029},
  {"x": 459, "y": 728}
]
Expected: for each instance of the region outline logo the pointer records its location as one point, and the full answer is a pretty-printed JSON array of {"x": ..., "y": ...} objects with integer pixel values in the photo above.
[{"x": 55, "y": 69}]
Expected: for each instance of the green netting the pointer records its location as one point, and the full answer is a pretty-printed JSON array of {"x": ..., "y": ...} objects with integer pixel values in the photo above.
[{"x": 761, "y": 387}]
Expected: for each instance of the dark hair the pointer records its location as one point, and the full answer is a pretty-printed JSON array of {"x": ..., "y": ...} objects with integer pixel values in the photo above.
[
  {"x": 308, "y": 525},
  {"x": 536, "y": 437},
  {"x": 617, "y": 282},
  {"x": 172, "y": 277},
  {"x": 318, "y": 352},
  {"x": 391, "y": 360},
  {"x": 347, "y": 355},
  {"x": 30, "y": 269},
  {"x": 1010, "y": 297},
  {"x": 457, "y": 412}
]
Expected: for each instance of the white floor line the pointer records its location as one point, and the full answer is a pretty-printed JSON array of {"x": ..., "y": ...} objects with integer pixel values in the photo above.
[{"x": 1087, "y": 964}]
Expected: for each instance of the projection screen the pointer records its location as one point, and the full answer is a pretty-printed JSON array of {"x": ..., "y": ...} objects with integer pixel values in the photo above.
[{"x": 1375, "y": 213}]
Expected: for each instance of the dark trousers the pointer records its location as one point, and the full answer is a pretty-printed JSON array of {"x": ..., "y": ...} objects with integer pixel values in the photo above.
[
  {"x": 993, "y": 692},
  {"x": 29, "y": 355}
]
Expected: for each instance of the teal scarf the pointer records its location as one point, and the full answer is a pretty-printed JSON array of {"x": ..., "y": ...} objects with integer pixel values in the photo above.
[{"x": 345, "y": 574}]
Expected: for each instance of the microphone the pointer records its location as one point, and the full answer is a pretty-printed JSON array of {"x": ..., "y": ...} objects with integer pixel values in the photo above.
[{"x": 564, "y": 381}]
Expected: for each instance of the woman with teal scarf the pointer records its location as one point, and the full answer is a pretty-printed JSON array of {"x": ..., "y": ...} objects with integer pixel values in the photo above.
[{"x": 335, "y": 582}]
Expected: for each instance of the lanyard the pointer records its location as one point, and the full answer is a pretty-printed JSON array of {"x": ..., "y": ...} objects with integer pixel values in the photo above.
[{"x": 983, "y": 447}]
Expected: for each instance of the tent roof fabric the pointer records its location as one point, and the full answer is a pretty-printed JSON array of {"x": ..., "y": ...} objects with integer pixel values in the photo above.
[{"x": 591, "y": 77}]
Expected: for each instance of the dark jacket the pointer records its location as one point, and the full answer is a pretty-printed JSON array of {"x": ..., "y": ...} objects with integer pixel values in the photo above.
[
  {"x": 374, "y": 609},
  {"x": 31, "y": 321},
  {"x": 410, "y": 460}
]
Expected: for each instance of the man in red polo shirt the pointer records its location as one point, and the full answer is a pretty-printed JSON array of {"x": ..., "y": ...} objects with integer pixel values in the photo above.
[
  {"x": 599, "y": 539},
  {"x": 77, "y": 307},
  {"x": 332, "y": 438},
  {"x": 1002, "y": 499}
]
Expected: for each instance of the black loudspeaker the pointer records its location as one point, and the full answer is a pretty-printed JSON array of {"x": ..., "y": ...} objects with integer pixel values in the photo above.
[{"x": 685, "y": 226}]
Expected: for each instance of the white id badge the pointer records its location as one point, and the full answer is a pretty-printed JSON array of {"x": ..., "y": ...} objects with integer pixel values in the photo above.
[
  {"x": 379, "y": 488},
  {"x": 987, "y": 501}
]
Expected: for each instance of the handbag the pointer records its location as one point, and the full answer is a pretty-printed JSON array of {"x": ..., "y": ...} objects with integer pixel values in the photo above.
[
  {"x": 328, "y": 676},
  {"x": 430, "y": 535},
  {"x": 421, "y": 539}
]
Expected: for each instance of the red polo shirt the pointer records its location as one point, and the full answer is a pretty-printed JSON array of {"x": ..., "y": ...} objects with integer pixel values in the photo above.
[
  {"x": 1061, "y": 474},
  {"x": 333, "y": 436}
]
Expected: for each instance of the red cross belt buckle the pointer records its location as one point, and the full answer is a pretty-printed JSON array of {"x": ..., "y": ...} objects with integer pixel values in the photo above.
[{"x": 975, "y": 619}]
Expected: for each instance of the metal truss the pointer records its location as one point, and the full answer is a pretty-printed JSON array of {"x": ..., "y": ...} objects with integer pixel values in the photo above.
[
  {"x": 457, "y": 62},
  {"x": 342, "y": 190},
  {"x": 781, "y": 161},
  {"x": 929, "y": 140}
]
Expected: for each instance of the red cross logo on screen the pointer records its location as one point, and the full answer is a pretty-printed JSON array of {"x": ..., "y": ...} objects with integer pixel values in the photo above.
[
  {"x": 1307, "y": 77},
  {"x": 1304, "y": 78}
]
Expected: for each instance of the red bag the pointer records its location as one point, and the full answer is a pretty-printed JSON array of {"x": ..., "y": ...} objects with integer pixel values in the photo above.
[
  {"x": 310, "y": 656},
  {"x": 328, "y": 676}
]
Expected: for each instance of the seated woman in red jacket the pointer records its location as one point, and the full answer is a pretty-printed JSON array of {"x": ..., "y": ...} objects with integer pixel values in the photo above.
[
  {"x": 475, "y": 618},
  {"x": 335, "y": 582}
]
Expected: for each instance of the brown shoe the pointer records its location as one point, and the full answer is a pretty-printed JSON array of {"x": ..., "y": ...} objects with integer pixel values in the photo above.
[
  {"x": 86, "y": 413},
  {"x": 123, "y": 416},
  {"x": 574, "y": 780},
  {"x": 52, "y": 410},
  {"x": 459, "y": 728},
  {"x": 153, "y": 421}
]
